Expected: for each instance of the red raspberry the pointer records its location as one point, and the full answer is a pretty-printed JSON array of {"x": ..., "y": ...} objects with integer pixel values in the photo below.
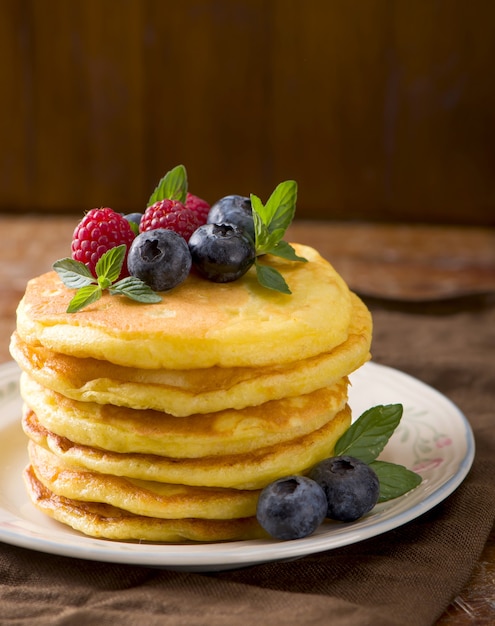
[
  {"x": 171, "y": 215},
  {"x": 97, "y": 232},
  {"x": 198, "y": 205}
]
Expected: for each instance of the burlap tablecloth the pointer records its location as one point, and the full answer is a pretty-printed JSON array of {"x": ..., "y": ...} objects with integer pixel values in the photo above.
[{"x": 405, "y": 577}]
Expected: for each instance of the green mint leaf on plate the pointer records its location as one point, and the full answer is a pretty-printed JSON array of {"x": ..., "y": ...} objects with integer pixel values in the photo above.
[
  {"x": 271, "y": 278},
  {"x": 135, "y": 289},
  {"x": 84, "y": 296},
  {"x": 73, "y": 274},
  {"x": 173, "y": 186},
  {"x": 109, "y": 265},
  {"x": 271, "y": 221},
  {"x": 76, "y": 275},
  {"x": 369, "y": 434},
  {"x": 395, "y": 480}
]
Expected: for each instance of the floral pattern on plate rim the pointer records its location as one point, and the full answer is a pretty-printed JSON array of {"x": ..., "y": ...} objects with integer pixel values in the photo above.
[{"x": 426, "y": 441}]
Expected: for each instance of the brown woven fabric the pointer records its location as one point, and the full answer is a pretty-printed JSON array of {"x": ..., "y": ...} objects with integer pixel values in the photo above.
[{"x": 407, "y": 576}]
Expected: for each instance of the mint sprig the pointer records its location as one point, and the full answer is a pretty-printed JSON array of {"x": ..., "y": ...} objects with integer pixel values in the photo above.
[
  {"x": 271, "y": 220},
  {"x": 366, "y": 438},
  {"x": 173, "y": 186},
  {"x": 369, "y": 434},
  {"x": 76, "y": 275},
  {"x": 395, "y": 480}
]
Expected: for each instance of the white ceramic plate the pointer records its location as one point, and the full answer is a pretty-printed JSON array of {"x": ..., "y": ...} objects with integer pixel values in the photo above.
[{"x": 434, "y": 438}]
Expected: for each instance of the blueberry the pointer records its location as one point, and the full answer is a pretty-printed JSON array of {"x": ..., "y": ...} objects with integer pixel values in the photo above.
[
  {"x": 221, "y": 252},
  {"x": 350, "y": 485},
  {"x": 233, "y": 210},
  {"x": 160, "y": 258},
  {"x": 133, "y": 217},
  {"x": 134, "y": 220},
  {"x": 291, "y": 507}
]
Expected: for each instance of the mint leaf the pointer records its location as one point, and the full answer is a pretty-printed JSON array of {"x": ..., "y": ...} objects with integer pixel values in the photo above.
[
  {"x": 270, "y": 223},
  {"x": 367, "y": 437},
  {"x": 135, "y": 289},
  {"x": 73, "y": 274},
  {"x": 276, "y": 215},
  {"x": 172, "y": 186},
  {"x": 271, "y": 278},
  {"x": 263, "y": 239},
  {"x": 76, "y": 275},
  {"x": 109, "y": 265},
  {"x": 286, "y": 251},
  {"x": 280, "y": 209},
  {"x": 395, "y": 480},
  {"x": 259, "y": 214},
  {"x": 84, "y": 296}
]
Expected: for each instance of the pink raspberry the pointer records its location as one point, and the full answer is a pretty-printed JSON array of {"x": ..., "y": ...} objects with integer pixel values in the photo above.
[
  {"x": 198, "y": 205},
  {"x": 171, "y": 215},
  {"x": 98, "y": 231}
]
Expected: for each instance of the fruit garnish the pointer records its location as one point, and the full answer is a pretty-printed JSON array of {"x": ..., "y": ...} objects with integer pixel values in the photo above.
[
  {"x": 221, "y": 253},
  {"x": 292, "y": 507},
  {"x": 353, "y": 480},
  {"x": 351, "y": 487},
  {"x": 134, "y": 220},
  {"x": 76, "y": 275},
  {"x": 271, "y": 221},
  {"x": 160, "y": 258},
  {"x": 235, "y": 210},
  {"x": 198, "y": 205},
  {"x": 97, "y": 232},
  {"x": 172, "y": 215},
  {"x": 171, "y": 206}
]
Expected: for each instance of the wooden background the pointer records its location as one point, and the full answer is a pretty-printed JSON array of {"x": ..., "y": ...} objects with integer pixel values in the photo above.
[{"x": 380, "y": 109}]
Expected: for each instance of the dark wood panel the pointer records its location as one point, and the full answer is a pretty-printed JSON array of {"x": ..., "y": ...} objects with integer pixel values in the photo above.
[{"x": 381, "y": 109}]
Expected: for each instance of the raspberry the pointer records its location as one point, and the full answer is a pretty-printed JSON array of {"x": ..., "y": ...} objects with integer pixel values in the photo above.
[
  {"x": 198, "y": 205},
  {"x": 171, "y": 215},
  {"x": 98, "y": 231}
]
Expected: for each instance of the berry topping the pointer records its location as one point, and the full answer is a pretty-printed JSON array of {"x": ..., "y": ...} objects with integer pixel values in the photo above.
[
  {"x": 198, "y": 205},
  {"x": 350, "y": 485},
  {"x": 233, "y": 210},
  {"x": 291, "y": 507},
  {"x": 172, "y": 215},
  {"x": 99, "y": 231},
  {"x": 134, "y": 220},
  {"x": 160, "y": 258},
  {"x": 221, "y": 252}
]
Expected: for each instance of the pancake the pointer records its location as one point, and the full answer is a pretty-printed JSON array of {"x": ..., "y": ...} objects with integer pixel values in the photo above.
[
  {"x": 185, "y": 392},
  {"x": 109, "y": 522},
  {"x": 253, "y": 470},
  {"x": 140, "y": 497},
  {"x": 162, "y": 422},
  {"x": 199, "y": 324},
  {"x": 150, "y": 432}
]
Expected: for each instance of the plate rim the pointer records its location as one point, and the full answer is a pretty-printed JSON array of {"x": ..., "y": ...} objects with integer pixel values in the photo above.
[{"x": 230, "y": 555}]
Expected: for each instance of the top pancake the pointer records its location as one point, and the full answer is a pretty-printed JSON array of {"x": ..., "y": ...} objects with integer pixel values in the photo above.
[
  {"x": 184, "y": 392},
  {"x": 198, "y": 324}
]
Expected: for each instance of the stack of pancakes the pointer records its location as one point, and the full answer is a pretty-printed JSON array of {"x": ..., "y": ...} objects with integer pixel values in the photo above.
[{"x": 162, "y": 422}]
